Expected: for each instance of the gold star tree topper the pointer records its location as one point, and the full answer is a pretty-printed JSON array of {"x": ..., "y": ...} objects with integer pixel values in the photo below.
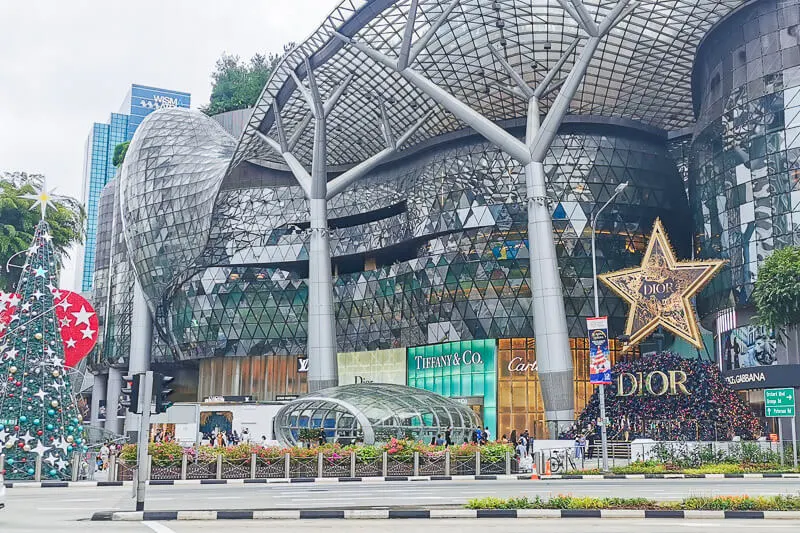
[
  {"x": 659, "y": 291},
  {"x": 43, "y": 198}
]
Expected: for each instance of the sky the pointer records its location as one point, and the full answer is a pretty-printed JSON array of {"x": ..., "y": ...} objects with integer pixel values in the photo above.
[{"x": 67, "y": 64}]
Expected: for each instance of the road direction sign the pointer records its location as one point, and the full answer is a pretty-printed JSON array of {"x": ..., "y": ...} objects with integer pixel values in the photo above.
[{"x": 779, "y": 402}]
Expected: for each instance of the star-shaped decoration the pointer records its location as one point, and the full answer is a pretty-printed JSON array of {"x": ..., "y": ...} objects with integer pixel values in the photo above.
[
  {"x": 71, "y": 343},
  {"x": 659, "y": 291},
  {"x": 12, "y": 354},
  {"x": 57, "y": 385},
  {"x": 62, "y": 464},
  {"x": 43, "y": 198},
  {"x": 87, "y": 333},
  {"x": 64, "y": 304},
  {"x": 13, "y": 300},
  {"x": 46, "y": 236},
  {"x": 50, "y": 352},
  {"x": 32, "y": 250},
  {"x": 40, "y": 272},
  {"x": 50, "y": 459},
  {"x": 40, "y": 448},
  {"x": 41, "y": 395},
  {"x": 37, "y": 294},
  {"x": 27, "y": 437},
  {"x": 26, "y": 306},
  {"x": 61, "y": 444},
  {"x": 82, "y": 316},
  {"x": 64, "y": 322}
]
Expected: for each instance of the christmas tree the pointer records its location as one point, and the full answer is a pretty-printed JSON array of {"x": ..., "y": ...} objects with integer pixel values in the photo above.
[
  {"x": 710, "y": 410},
  {"x": 38, "y": 412}
]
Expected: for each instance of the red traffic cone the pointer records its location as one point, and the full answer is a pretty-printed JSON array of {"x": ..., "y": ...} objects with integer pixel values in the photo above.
[{"x": 547, "y": 471}]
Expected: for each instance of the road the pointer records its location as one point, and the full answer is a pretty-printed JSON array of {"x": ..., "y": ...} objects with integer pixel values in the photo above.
[{"x": 49, "y": 510}]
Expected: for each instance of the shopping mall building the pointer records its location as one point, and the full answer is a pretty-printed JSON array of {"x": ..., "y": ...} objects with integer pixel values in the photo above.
[{"x": 694, "y": 103}]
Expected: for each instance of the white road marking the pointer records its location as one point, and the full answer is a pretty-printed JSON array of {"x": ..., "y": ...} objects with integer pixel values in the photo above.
[{"x": 158, "y": 528}]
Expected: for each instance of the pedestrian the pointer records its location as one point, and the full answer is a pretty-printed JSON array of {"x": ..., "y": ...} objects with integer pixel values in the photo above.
[
  {"x": 246, "y": 435},
  {"x": 433, "y": 440},
  {"x": 105, "y": 451},
  {"x": 448, "y": 439},
  {"x": 440, "y": 440},
  {"x": 263, "y": 440},
  {"x": 513, "y": 438},
  {"x": 487, "y": 435},
  {"x": 583, "y": 444},
  {"x": 522, "y": 451},
  {"x": 504, "y": 439},
  {"x": 578, "y": 447}
]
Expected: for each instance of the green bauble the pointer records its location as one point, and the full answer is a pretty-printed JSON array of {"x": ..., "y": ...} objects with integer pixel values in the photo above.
[
  {"x": 36, "y": 421},
  {"x": 53, "y": 473},
  {"x": 50, "y": 427},
  {"x": 51, "y": 412},
  {"x": 23, "y": 419}
]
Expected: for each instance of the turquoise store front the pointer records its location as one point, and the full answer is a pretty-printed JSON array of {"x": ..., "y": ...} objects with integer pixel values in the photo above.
[{"x": 465, "y": 371}]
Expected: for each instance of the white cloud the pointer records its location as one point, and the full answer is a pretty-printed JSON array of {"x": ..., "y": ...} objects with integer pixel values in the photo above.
[{"x": 65, "y": 65}]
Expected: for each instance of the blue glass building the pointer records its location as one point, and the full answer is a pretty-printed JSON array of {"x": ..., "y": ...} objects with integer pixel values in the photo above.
[{"x": 98, "y": 167}]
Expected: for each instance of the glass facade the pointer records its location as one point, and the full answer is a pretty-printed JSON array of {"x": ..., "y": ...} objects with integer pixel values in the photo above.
[
  {"x": 431, "y": 248},
  {"x": 745, "y": 158},
  {"x": 98, "y": 161},
  {"x": 465, "y": 370}
]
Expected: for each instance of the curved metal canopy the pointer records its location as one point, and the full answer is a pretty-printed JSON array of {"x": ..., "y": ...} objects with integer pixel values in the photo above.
[{"x": 641, "y": 71}]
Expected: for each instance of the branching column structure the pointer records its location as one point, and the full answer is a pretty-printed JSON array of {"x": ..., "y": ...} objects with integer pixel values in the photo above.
[
  {"x": 322, "y": 368},
  {"x": 549, "y": 317}
]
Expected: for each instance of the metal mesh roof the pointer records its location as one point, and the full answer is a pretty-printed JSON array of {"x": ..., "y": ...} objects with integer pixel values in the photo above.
[{"x": 641, "y": 71}]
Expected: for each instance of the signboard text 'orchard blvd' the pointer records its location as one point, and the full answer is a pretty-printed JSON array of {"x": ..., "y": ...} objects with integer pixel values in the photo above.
[{"x": 466, "y": 358}]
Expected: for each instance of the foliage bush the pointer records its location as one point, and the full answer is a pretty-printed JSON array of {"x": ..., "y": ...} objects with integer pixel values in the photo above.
[
  {"x": 169, "y": 453},
  {"x": 704, "y": 503}
]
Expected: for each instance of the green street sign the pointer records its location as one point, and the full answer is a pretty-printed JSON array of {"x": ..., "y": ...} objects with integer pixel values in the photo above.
[{"x": 779, "y": 402}]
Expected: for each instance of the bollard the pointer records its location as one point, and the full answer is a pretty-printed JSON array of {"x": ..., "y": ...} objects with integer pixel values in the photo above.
[
  {"x": 184, "y": 466},
  {"x": 352, "y": 464},
  {"x": 253, "y": 459},
  {"x": 319, "y": 464},
  {"x": 508, "y": 463},
  {"x": 76, "y": 464},
  {"x": 385, "y": 470},
  {"x": 2, "y": 463},
  {"x": 287, "y": 465},
  {"x": 38, "y": 476},
  {"x": 219, "y": 466},
  {"x": 416, "y": 464},
  {"x": 112, "y": 468},
  {"x": 447, "y": 462},
  {"x": 478, "y": 463}
]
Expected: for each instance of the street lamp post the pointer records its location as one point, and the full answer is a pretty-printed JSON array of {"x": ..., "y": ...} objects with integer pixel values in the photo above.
[{"x": 602, "y": 392}]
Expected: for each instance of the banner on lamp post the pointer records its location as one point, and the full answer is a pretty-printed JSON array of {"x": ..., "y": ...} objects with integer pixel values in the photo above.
[{"x": 599, "y": 353}]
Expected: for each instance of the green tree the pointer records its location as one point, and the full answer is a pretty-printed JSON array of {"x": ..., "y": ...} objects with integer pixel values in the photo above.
[
  {"x": 119, "y": 153},
  {"x": 18, "y": 224},
  {"x": 237, "y": 84},
  {"x": 777, "y": 290}
]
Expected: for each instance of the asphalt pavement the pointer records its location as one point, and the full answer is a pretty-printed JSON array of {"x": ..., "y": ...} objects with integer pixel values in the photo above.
[{"x": 36, "y": 510}]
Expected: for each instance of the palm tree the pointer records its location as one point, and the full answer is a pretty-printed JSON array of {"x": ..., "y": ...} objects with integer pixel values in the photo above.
[{"x": 18, "y": 223}]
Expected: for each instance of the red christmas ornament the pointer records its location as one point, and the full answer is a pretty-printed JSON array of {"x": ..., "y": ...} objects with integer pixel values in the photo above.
[
  {"x": 40, "y": 433},
  {"x": 16, "y": 428},
  {"x": 21, "y": 444},
  {"x": 76, "y": 318}
]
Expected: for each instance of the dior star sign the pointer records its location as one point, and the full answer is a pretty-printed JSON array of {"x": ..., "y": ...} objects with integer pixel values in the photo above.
[{"x": 659, "y": 291}]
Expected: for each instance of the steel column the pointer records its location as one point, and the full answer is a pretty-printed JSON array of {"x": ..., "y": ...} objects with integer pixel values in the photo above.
[
  {"x": 98, "y": 393},
  {"x": 322, "y": 368},
  {"x": 113, "y": 390}
]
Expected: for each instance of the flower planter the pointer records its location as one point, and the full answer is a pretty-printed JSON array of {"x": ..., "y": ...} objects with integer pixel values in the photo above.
[
  {"x": 201, "y": 470},
  {"x": 336, "y": 466}
]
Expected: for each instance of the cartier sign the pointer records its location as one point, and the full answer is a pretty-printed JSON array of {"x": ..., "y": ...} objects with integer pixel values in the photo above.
[
  {"x": 520, "y": 365},
  {"x": 657, "y": 383}
]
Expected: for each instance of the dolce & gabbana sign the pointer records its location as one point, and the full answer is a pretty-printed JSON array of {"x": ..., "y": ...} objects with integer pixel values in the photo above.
[
  {"x": 762, "y": 377},
  {"x": 465, "y": 358}
]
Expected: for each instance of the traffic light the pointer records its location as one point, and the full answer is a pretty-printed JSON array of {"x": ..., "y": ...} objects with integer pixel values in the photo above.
[
  {"x": 161, "y": 392},
  {"x": 130, "y": 392}
]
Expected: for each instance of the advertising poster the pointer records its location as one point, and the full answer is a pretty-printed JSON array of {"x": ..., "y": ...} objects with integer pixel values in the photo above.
[
  {"x": 600, "y": 354},
  {"x": 375, "y": 366},
  {"x": 751, "y": 346}
]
